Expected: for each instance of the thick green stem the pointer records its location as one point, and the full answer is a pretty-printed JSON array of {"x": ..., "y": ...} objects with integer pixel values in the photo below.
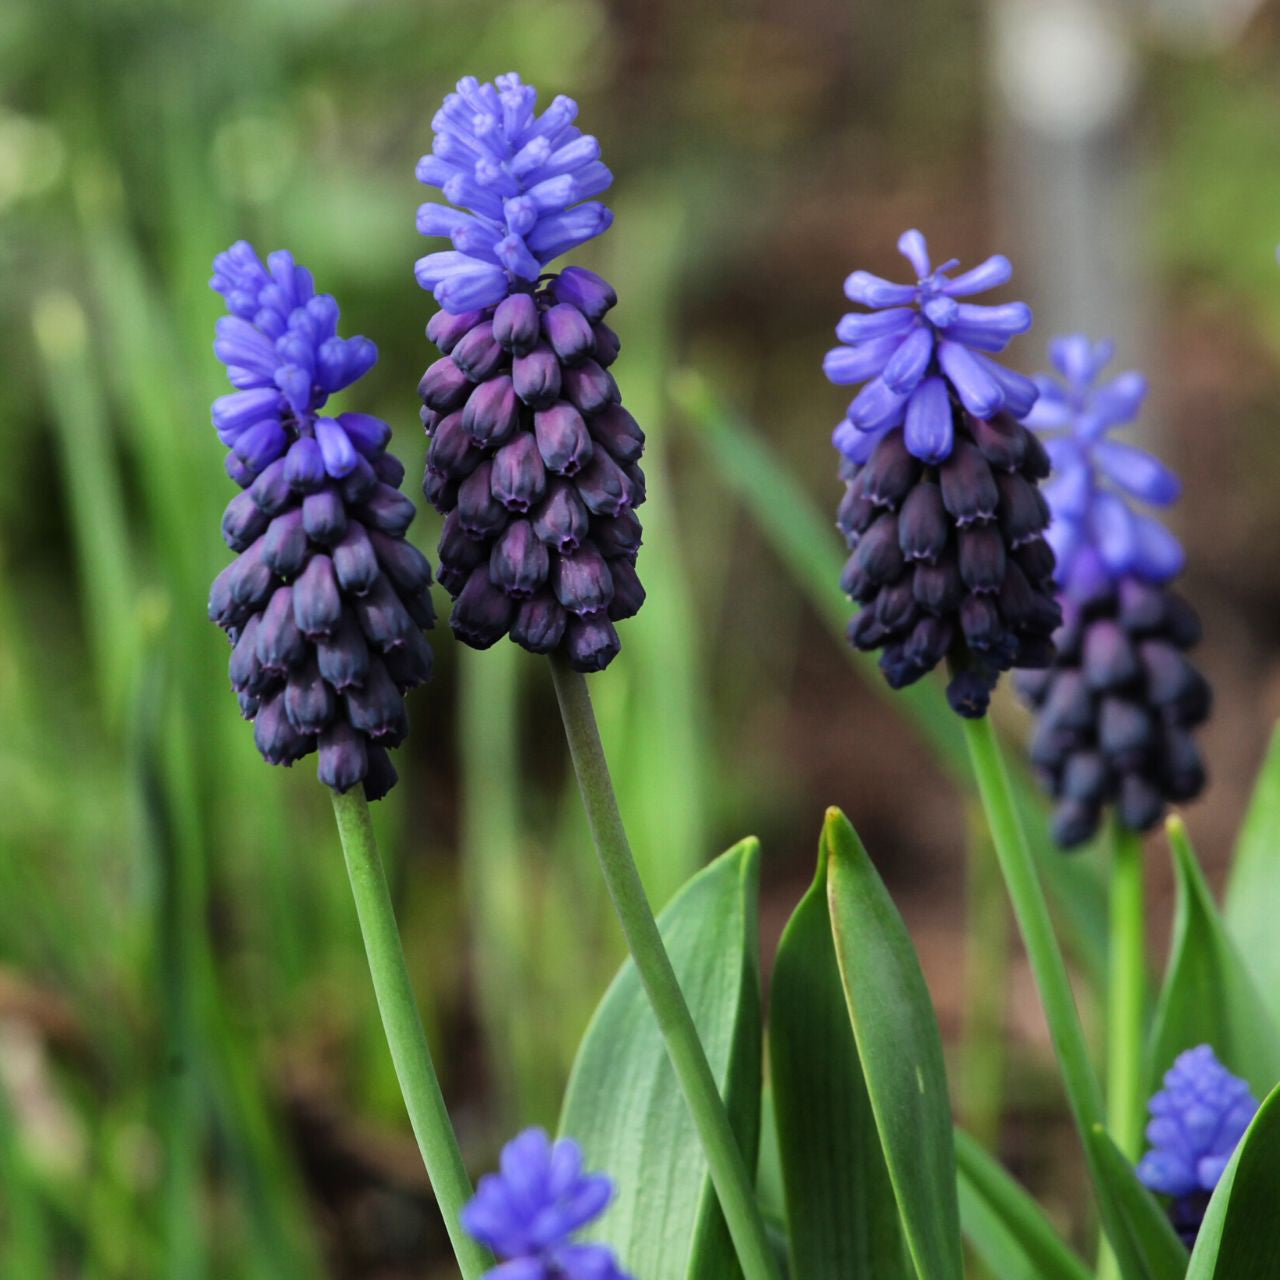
[
  {"x": 1047, "y": 964},
  {"x": 728, "y": 1170},
  {"x": 1126, "y": 1004},
  {"x": 1126, "y": 993},
  {"x": 403, "y": 1026}
]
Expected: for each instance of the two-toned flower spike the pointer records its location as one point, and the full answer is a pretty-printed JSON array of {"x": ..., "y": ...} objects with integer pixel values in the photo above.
[
  {"x": 942, "y": 510},
  {"x": 1114, "y": 713},
  {"x": 533, "y": 460},
  {"x": 326, "y": 602}
]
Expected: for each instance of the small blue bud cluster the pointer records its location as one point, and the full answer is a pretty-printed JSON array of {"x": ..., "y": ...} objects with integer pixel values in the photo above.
[
  {"x": 1197, "y": 1121},
  {"x": 528, "y": 1213},
  {"x": 533, "y": 460},
  {"x": 326, "y": 602},
  {"x": 942, "y": 510},
  {"x": 1115, "y": 712}
]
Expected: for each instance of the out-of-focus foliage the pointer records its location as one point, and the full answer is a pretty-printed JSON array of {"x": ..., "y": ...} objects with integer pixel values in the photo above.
[{"x": 192, "y": 1079}]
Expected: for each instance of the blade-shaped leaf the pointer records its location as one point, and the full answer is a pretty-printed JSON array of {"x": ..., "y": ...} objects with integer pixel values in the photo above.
[
  {"x": 624, "y": 1105},
  {"x": 1005, "y": 1225},
  {"x": 1153, "y": 1251},
  {"x": 1209, "y": 996},
  {"x": 841, "y": 1211},
  {"x": 1240, "y": 1236},
  {"x": 1254, "y": 887},
  {"x": 900, "y": 1050}
]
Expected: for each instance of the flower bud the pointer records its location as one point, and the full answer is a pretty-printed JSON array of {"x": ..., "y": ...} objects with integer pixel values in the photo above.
[
  {"x": 562, "y": 439},
  {"x": 568, "y": 332},
  {"x": 582, "y": 582},
  {"x": 536, "y": 377},
  {"x": 491, "y": 412},
  {"x": 515, "y": 323}
]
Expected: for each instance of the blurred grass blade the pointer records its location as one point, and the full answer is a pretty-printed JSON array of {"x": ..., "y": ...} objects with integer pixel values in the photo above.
[
  {"x": 624, "y": 1106},
  {"x": 1254, "y": 887},
  {"x": 804, "y": 540},
  {"x": 501, "y": 897},
  {"x": 900, "y": 1050},
  {"x": 1240, "y": 1236},
  {"x": 1005, "y": 1226},
  {"x": 1153, "y": 1250},
  {"x": 1209, "y": 996},
  {"x": 842, "y": 1217},
  {"x": 95, "y": 498},
  {"x": 25, "y": 1246}
]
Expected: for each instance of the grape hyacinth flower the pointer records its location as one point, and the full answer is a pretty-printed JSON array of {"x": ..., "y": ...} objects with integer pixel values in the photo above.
[
  {"x": 326, "y": 602},
  {"x": 528, "y": 1213},
  {"x": 1116, "y": 710},
  {"x": 1197, "y": 1121},
  {"x": 533, "y": 460},
  {"x": 942, "y": 509}
]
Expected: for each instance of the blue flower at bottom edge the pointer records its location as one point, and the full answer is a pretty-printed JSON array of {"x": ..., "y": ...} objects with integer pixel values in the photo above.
[
  {"x": 528, "y": 1212},
  {"x": 1197, "y": 1121}
]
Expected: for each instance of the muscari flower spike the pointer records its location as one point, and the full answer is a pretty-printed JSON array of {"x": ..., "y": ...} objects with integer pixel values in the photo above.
[
  {"x": 1116, "y": 709},
  {"x": 326, "y": 602},
  {"x": 529, "y": 1212},
  {"x": 533, "y": 460},
  {"x": 1197, "y": 1121},
  {"x": 942, "y": 509}
]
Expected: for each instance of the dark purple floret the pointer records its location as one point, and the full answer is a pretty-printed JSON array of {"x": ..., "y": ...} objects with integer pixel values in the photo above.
[
  {"x": 1116, "y": 709},
  {"x": 326, "y": 601},
  {"x": 942, "y": 511}
]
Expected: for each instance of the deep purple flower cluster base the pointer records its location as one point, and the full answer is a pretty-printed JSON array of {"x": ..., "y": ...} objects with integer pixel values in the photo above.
[
  {"x": 325, "y": 606},
  {"x": 1116, "y": 710},
  {"x": 534, "y": 463},
  {"x": 948, "y": 560}
]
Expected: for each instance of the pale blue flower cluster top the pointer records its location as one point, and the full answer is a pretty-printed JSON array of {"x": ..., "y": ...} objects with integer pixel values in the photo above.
[
  {"x": 283, "y": 355},
  {"x": 522, "y": 182},
  {"x": 916, "y": 346},
  {"x": 1096, "y": 534}
]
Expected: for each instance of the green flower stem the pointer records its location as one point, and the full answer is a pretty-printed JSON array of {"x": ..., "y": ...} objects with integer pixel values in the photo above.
[
  {"x": 1047, "y": 965},
  {"x": 1126, "y": 1004},
  {"x": 1126, "y": 993},
  {"x": 403, "y": 1026},
  {"x": 728, "y": 1170}
]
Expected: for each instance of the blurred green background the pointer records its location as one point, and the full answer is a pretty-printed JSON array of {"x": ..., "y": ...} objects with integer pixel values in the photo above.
[{"x": 193, "y": 1081}]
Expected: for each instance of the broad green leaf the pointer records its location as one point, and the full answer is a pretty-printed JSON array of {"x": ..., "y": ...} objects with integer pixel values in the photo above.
[
  {"x": 1004, "y": 1224},
  {"x": 801, "y": 535},
  {"x": 841, "y": 1211},
  {"x": 1153, "y": 1250},
  {"x": 1240, "y": 1236},
  {"x": 1254, "y": 887},
  {"x": 1209, "y": 996},
  {"x": 624, "y": 1105},
  {"x": 899, "y": 1049}
]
